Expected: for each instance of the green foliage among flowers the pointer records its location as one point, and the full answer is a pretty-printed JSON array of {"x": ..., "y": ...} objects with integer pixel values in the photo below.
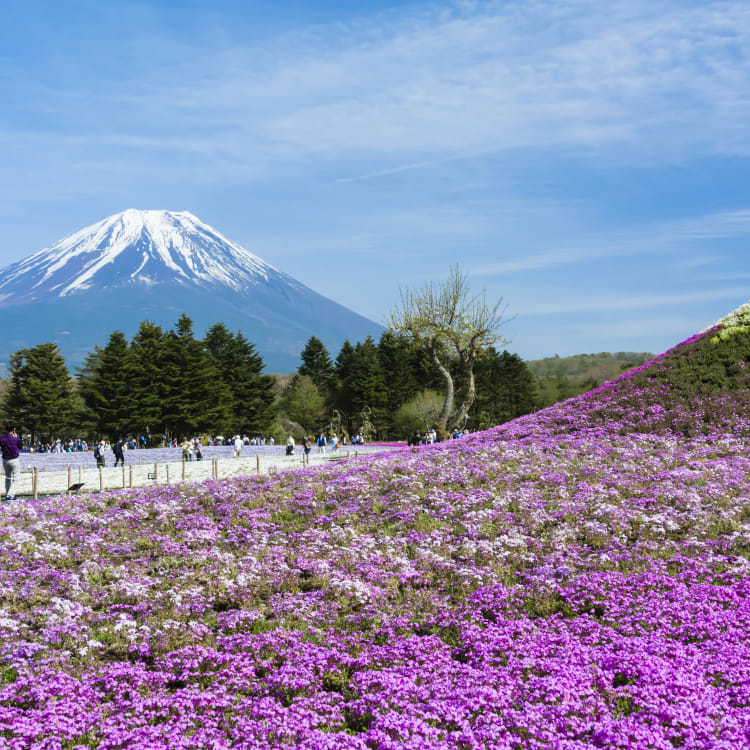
[{"x": 576, "y": 578}]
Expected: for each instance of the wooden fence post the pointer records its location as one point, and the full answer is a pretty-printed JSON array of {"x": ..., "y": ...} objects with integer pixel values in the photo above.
[
  {"x": 123, "y": 476},
  {"x": 35, "y": 482},
  {"x": 131, "y": 476},
  {"x": 167, "y": 465},
  {"x": 257, "y": 463},
  {"x": 156, "y": 472},
  {"x": 101, "y": 479},
  {"x": 70, "y": 475}
]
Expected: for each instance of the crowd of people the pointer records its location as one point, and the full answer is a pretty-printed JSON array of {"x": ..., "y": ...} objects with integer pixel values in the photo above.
[
  {"x": 79, "y": 445},
  {"x": 192, "y": 447},
  {"x": 430, "y": 436}
]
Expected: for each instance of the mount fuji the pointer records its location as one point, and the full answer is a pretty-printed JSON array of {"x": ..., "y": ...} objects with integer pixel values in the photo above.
[{"x": 155, "y": 265}]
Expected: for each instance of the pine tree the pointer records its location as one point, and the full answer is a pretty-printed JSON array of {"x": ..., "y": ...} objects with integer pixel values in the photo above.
[
  {"x": 401, "y": 362},
  {"x": 506, "y": 389},
  {"x": 199, "y": 399},
  {"x": 364, "y": 384},
  {"x": 148, "y": 380},
  {"x": 103, "y": 386},
  {"x": 316, "y": 363},
  {"x": 41, "y": 399},
  {"x": 240, "y": 368},
  {"x": 341, "y": 395}
]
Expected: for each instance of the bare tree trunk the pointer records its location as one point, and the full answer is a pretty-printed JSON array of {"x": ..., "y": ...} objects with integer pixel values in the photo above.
[
  {"x": 445, "y": 412},
  {"x": 462, "y": 414}
]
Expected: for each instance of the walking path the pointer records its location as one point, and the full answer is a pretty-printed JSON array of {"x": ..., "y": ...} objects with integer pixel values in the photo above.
[{"x": 144, "y": 474}]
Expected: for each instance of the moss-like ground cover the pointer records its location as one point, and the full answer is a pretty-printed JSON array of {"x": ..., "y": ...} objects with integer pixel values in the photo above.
[{"x": 577, "y": 578}]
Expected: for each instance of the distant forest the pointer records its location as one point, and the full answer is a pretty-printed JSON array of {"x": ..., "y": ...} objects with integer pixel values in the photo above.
[
  {"x": 559, "y": 378},
  {"x": 169, "y": 383}
]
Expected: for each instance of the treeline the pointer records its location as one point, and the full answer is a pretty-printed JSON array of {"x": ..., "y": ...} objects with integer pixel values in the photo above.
[
  {"x": 560, "y": 378},
  {"x": 169, "y": 383},
  {"x": 392, "y": 389},
  {"x": 161, "y": 383}
]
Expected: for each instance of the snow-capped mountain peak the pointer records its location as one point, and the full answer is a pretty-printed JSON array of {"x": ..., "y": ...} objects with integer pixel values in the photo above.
[{"x": 141, "y": 247}]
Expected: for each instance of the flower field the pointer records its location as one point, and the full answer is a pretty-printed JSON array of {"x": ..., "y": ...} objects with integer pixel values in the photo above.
[{"x": 577, "y": 578}]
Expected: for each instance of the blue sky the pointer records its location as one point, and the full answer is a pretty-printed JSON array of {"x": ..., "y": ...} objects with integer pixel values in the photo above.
[{"x": 586, "y": 161}]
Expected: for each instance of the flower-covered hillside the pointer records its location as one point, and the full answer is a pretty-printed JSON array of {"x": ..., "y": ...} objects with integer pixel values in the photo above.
[
  {"x": 700, "y": 387},
  {"x": 562, "y": 581}
]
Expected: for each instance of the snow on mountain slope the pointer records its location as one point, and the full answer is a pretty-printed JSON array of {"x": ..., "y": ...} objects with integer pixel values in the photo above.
[
  {"x": 155, "y": 265},
  {"x": 137, "y": 247}
]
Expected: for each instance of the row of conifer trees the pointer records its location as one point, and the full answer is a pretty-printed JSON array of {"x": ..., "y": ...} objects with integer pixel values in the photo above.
[{"x": 171, "y": 383}]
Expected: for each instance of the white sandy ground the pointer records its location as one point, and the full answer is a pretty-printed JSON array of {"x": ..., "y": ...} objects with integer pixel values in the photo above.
[{"x": 55, "y": 482}]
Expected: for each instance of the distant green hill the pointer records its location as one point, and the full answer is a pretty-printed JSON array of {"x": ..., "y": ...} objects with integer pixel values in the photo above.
[
  {"x": 699, "y": 387},
  {"x": 559, "y": 378},
  {"x": 580, "y": 367}
]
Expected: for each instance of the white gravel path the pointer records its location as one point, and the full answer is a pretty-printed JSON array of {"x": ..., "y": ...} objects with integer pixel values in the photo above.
[{"x": 55, "y": 482}]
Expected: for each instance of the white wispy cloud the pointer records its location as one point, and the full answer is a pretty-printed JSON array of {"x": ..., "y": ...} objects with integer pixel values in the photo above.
[
  {"x": 684, "y": 239},
  {"x": 723, "y": 224},
  {"x": 562, "y": 255},
  {"x": 395, "y": 91},
  {"x": 614, "y": 302},
  {"x": 640, "y": 328}
]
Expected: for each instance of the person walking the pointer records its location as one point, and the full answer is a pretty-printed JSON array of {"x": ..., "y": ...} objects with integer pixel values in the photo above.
[
  {"x": 290, "y": 446},
  {"x": 10, "y": 444},
  {"x": 117, "y": 449},
  {"x": 237, "y": 446},
  {"x": 307, "y": 444},
  {"x": 99, "y": 454}
]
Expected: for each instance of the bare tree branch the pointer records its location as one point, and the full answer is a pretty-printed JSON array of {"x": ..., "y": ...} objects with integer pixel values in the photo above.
[{"x": 450, "y": 324}]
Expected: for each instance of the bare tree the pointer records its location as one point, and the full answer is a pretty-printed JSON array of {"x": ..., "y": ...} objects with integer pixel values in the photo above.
[{"x": 455, "y": 327}]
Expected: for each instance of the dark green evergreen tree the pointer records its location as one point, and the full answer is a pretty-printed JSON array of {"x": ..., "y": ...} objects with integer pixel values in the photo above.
[
  {"x": 506, "y": 389},
  {"x": 363, "y": 385},
  {"x": 316, "y": 363},
  {"x": 41, "y": 399},
  {"x": 104, "y": 388},
  {"x": 85, "y": 374},
  {"x": 341, "y": 396},
  {"x": 240, "y": 369},
  {"x": 149, "y": 381},
  {"x": 401, "y": 361},
  {"x": 198, "y": 399}
]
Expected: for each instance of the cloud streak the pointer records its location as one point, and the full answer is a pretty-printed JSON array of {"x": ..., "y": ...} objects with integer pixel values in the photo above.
[
  {"x": 615, "y": 302},
  {"x": 650, "y": 81}
]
